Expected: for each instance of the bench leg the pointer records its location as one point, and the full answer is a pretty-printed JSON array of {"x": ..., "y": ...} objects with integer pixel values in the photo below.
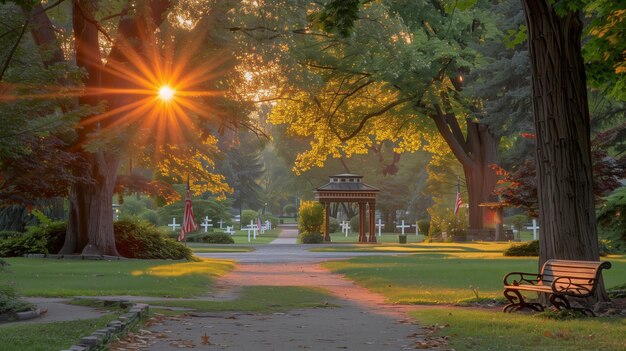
[
  {"x": 517, "y": 302},
  {"x": 560, "y": 302}
]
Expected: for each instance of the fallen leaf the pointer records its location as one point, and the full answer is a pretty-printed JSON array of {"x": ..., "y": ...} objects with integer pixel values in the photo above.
[{"x": 205, "y": 340}]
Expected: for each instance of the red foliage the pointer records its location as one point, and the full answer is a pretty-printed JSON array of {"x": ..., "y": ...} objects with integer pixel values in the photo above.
[
  {"x": 519, "y": 187},
  {"x": 44, "y": 170}
]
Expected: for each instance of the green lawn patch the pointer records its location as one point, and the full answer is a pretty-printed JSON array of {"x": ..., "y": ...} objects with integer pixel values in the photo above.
[
  {"x": 49, "y": 277},
  {"x": 472, "y": 329},
  {"x": 206, "y": 248},
  {"x": 444, "y": 278},
  {"x": 260, "y": 299},
  {"x": 475, "y": 247},
  {"x": 384, "y": 238},
  {"x": 49, "y": 336}
]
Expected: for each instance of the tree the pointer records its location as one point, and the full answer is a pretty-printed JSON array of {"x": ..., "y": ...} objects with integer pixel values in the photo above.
[
  {"x": 123, "y": 73},
  {"x": 397, "y": 72}
]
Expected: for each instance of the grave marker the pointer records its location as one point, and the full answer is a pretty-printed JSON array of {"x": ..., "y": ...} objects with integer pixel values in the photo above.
[
  {"x": 173, "y": 225},
  {"x": 534, "y": 227},
  {"x": 379, "y": 225},
  {"x": 403, "y": 226},
  {"x": 206, "y": 223}
]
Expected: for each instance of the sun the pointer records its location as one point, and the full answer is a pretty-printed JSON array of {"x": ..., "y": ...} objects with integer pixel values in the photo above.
[{"x": 166, "y": 93}]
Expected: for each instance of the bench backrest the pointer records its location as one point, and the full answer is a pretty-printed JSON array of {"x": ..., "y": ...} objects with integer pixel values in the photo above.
[{"x": 584, "y": 275}]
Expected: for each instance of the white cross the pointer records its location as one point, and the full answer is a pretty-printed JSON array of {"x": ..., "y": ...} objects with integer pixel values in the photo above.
[
  {"x": 268, "y": 224},
  {"x": 345, "y": 227},
  {"x": 534, "y": 228},
  {"x": 403, "y": 226},
  {"x": 221, "y": 222},
  {"x": 173, "y": 225},
  {"x": 417, "y": 229},
  {"x": 206, "y": 224},
  {"x": 230, "y": 230},
  {"x": 379, "y": 225}
]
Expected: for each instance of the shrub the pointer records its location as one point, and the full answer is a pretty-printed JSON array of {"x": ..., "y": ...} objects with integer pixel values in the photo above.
[
  {"x": 217, "y": 238},
  {"x": 310, "y": 238},
  {"x": 272, "y": 219},
  {"x": 311, "y": 217},
  {"x": 43, "y": 239},
  {"x": 289, "y": 210},
  {"x": 424, "y": 226},
  {"x": 530, "y": 248},
  {"x": 150, "y": 216},
  {"x": 8, "y": 234},
  {"x": 354, "y": 224},
  {"x": 611, "y": 220},
  {"x": 133, "y": 238},
  {"x": 247, "y": 216},
  {"x": 9, "y": 302},
  {"x": 139, "y": 239},
  {"x": 334, "y": 226}
]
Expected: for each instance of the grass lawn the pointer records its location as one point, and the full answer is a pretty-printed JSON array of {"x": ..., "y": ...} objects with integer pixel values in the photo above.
[
  {"x": 49, "y": 336},
  {"x": 204, "y": 248},
  {"x": 48, "y": 277},
  {"x": 384, "y": 238},
  {"x": 472, "y": 329},
  {"x": 260, "y": 299},
  {"x": 448, "y": 273},
  {"x": 474, "y": 247}
]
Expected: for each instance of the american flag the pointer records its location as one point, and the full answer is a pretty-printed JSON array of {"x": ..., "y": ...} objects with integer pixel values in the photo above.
[
  {"x": 459, "y": 201},
  {"x": 189, "y": 223},
  {"x": 258, "y": 224}
]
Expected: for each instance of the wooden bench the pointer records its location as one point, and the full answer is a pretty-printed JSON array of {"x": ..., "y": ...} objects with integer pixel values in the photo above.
[{"x": 558, "y": 279}]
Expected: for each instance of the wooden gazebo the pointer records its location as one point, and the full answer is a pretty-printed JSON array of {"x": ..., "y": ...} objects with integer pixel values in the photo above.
[{"x": 349, "y": 188}]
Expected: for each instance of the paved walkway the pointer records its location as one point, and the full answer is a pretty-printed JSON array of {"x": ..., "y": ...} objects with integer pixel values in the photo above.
[{"x": 288, "y": 235}]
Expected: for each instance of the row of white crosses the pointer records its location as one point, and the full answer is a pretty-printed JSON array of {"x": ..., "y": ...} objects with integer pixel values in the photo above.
[
  {"x": 206, "y": 224},
  {"x": 402, "y": 226}
]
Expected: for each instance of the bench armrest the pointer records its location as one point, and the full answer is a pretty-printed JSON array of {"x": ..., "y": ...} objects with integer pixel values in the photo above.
[
  {"x": 518, "y": 278},
  {"x": 564, "y": 286}
]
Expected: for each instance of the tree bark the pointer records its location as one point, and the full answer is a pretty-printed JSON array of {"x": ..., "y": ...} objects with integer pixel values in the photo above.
[
  {"x": 476, "y": 152},
  {"x": 90, "y": 223},
  {"x": 561, "y": 113}
]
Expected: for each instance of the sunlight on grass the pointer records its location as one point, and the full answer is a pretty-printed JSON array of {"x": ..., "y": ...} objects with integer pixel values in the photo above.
[
  {"x": 206, "y": 266},
  {"x": 472, "y": 329},
  {"x": 447, "y": 277},
  {"x": 47, "y": 277}
]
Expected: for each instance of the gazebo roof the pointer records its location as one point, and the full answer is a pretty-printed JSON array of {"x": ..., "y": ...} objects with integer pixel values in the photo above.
[{"x": 347, "y": 182}]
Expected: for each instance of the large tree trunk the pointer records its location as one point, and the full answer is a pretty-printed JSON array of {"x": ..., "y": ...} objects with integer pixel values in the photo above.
[
  {"x": 90, "y": 223},
  {"x": 564, "y": 169},
  {"x": 476, "y": 152}
]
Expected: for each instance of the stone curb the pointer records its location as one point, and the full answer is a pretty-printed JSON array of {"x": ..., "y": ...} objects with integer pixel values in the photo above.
[{"x": 114, "y": 328}]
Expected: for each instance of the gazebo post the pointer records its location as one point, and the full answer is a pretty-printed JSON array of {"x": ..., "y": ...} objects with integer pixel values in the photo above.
[
  {"x": 362, "y": 237},
  {"x": 326, "y": 221},
  {"x": 372, "y": 216}
]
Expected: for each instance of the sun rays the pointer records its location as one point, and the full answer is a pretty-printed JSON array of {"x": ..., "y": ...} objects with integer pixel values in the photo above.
[{"x": 155, "y": 91}]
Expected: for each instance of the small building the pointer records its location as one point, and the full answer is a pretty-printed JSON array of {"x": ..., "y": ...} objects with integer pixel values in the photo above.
[{"x": 350, "y": 188}]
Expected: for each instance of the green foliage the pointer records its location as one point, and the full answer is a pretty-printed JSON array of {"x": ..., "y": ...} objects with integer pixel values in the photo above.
[
  {"x": 7, "y": 234},
  {"x": 311, "y": 217},
  {"x": 217, "y": 238},
  {"x": 247, "y": 216},
  {"x": 42, "y": 239},
  {"x": 138, "y": 239},
  {"x": 338, "y": 16},
  {"x": 518, "y": 222},
  {"x": 289, "y": 210},
  {"x": 424, "y": 226},
  {"x": 310, "y": 238},
  {"x": 9, "y": 301},
  {"x": 530, "y": 248},
  {"x": 454, "y": 226},
  {"x": 561, "y": 315},
  {"x": 612, "y": 220},
  {"x": 334, "y": 225},
  {"x": 151, "y": 216}
]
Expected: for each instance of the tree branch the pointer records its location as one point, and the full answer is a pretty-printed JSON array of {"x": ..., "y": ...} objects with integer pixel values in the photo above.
[{"x": 447, "y": 135}]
